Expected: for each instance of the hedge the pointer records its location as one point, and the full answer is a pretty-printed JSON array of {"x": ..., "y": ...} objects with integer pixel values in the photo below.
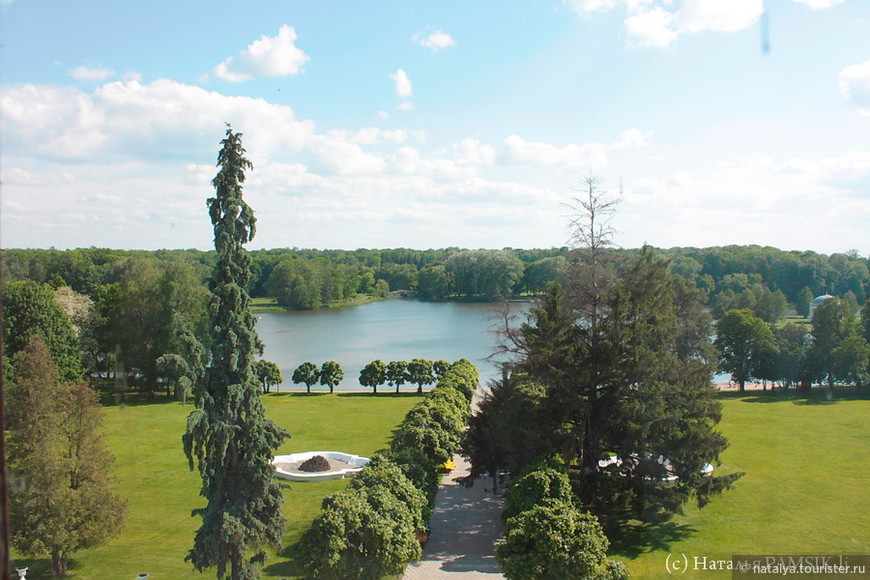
[{"x": 373, "y": 527}]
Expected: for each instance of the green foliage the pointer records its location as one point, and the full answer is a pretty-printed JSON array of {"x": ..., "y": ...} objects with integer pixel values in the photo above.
[
  {"x": 620, "y": 366},
  {"x": 485, "y": 273},
  {"x": 362, "y": 532},
  {"x": 30, "y": 309},
  {"x": 434, "y": 283},
  {"x": 57, "y": 453},
  {"x": 397, "y": 373},
  {"x": 228, "y": 434},
  {"x": 802, "y": 302},
  {"x": 186, "y": 368},
  {"x": 834, "y": 322},
  {"x": 556, "y": 541},
  {"x": 268, "y": 373},
  {"x": 331, "y": 374},
  {"x": 373, "y": 374},
  {"x": 154, "y": 310},
  {"x": 421, "y": 373},
  {"x": 743, "y": 340},
  {"x": 371, "y": 529},
  {"x": 307, "y": 373},
  {"x": 542, "y": 483},
  {"x": 512, "y": 429}
]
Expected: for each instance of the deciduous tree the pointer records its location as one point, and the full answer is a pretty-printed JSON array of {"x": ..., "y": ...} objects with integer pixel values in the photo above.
[
  {"x": 63, "y": 503},
  {"x": 834, "y": 321},
  {"x": 30, "y": 309},
  {"x": 373, "y": 374},
  {"x": 307, "y": 373},
  {"x": 268, "y": 373},
  {"x": 397, "y": 373},
  {"x": 228, "y": 435},
  {"x": 420, "y": 372},
  {"x": 331, "y": 374},
  {"x": 743, "y": 340}
]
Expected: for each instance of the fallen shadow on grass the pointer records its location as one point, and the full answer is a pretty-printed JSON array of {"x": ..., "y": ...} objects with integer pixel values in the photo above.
[
  {"x": 631, "y": 538},
  {"x": 40, "y": 568},
  {"x": 286, "y": 566},
  {"x": 817, "y": 396}
]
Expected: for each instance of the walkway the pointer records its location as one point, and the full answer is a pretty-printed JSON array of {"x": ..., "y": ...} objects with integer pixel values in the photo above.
[{"x": 465, "y": 523}]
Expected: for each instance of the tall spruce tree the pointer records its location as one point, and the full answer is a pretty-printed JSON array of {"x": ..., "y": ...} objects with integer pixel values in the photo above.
[{"x": 228, "y": 434}]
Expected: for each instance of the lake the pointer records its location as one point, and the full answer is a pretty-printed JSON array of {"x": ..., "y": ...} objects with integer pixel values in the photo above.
[{"x": 395, "y": 329}]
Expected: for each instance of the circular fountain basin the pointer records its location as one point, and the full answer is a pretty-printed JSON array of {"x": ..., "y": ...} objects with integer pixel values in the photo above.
[{"x": 341, "y": 465}]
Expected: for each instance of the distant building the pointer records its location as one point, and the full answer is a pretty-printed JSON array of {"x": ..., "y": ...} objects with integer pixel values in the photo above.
[{"x": 816, "y": 301}]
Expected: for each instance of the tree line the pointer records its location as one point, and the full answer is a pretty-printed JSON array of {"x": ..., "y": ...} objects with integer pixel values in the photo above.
[
  {"x": 730, "y": 276},
  {"x": 834, "y": 348}
]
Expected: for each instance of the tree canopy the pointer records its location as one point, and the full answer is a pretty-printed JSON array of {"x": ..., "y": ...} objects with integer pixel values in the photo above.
[{"x": 58, "y": 454}]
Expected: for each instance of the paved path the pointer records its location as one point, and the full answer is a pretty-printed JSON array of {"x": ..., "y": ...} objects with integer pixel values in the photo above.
[{"x": 465, "y": 523}]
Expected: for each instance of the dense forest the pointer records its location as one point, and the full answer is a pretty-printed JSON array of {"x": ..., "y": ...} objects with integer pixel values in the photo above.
[
  {"x": 307, "y": 278},
  {"x": 141, "y": 309}
]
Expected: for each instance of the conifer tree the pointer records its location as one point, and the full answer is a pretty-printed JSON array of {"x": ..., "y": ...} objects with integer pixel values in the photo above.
[{"x": 228, "y": 434}]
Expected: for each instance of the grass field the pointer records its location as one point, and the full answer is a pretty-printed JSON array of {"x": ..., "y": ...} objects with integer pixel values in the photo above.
[
  {"x": 153, "y": 474},
  {"x": 804, "y": 492}
]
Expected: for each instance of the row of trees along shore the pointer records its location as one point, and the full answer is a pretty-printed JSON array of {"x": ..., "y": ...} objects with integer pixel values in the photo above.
[{"x": 396, "y": 373}]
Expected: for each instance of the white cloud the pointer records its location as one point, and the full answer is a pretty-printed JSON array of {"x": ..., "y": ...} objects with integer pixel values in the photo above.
[
  {"x": 730, "y": 16},
  {"x": 855, "y": 83},
  {"x": 84, "y": 73},
  {"x": 632, "y": 138},
  {"x": 435, "y": 40},
  {"x": 270, "y": 56},
  {"x": 819, "y": 4},
  {"x": 163, "y": 119},
  {"x": 742, "y": 201},
  {"x": 334, "y": 153},
  {"x": 584, "y": 7},
  {"x": 658, "y": 23},
  {"x": 587, "y": 157},
  {"x": 470, "y": 153},
  {"x": 651, "y": 27},
  {"x": 403, "y": 84}
]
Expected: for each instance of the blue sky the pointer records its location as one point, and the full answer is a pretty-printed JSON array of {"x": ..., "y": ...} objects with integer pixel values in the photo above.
[{"x": 434, "y": 124}]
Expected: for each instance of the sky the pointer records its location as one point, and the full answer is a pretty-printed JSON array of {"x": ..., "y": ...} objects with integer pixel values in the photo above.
[{"x": 386, "y": 124}]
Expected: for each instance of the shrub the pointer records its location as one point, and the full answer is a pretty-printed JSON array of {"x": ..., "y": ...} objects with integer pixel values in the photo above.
[
  {"x": 556, "y": 541},
  {"x": 416, "y": 466},
  {"x": 541, "y": 484},
  {"x": 360, "y": 533}
]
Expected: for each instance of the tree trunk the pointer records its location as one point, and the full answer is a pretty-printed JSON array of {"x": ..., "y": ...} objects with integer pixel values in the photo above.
[
  {"x": 420, "y": 389},
  {"x": 58, "y": 564},
  {"x": 742, "y": 384}
]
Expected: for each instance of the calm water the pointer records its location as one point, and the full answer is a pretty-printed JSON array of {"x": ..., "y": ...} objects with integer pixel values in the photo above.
[{"x": 388, "y": 330}]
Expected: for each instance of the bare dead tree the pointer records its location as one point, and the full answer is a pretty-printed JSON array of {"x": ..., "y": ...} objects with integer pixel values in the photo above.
[{"x": 591, "y": 232}]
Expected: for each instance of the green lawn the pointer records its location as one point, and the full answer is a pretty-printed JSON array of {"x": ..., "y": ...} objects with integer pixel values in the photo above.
[
  {"x": 152, "y": 473},
  {"x": 804, "y": 492}
]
